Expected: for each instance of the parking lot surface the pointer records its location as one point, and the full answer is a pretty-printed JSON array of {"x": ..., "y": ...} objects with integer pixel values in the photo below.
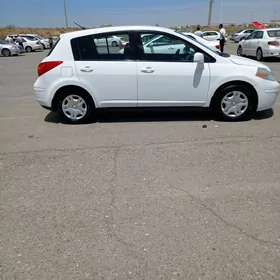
[{"x": 135, "y": 195}]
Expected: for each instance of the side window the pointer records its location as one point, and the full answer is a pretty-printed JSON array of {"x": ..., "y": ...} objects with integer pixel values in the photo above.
[
  {"x": 174, "y": 49},
  {"x": 251, "y": 36},
  {"x": 259, "y": 35},
  {"x": 213, "y": 33},
  {"x": 102, "y": 47}
]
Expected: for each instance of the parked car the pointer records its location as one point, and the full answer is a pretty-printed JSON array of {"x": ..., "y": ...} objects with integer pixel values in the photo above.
[
  {"x": 261, "y": 44},
  {"x": 32, "y": 45},
  {"x": 212, "y": 35},
  {"x": 8, "y": 49},
  {"x": 242, "y": 34},
  {"x": 32, "y": 37},
  {"x": 213, "y": 45},
  {"x": 77, "y": 77},
  {"x": 113, "y": 41}
]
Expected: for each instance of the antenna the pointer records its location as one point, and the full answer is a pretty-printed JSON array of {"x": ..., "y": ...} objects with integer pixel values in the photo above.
[{"x": 83, "y": 28}]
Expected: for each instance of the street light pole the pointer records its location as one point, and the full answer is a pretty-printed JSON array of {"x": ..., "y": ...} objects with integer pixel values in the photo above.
[{"x": 65, "y": 14}]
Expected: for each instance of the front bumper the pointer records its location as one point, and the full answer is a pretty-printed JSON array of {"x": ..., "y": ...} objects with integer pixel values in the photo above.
[{"x": 268, "y": 96}]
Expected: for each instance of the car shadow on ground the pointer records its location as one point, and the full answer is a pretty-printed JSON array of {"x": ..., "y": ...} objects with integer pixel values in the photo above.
[{"x": 151, "y": 115}]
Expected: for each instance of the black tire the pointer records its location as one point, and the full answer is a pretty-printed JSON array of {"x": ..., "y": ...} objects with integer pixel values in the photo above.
[
  {"x": 114, "y": 44},
  {"x": 259, "y": 54},
  {"x": 6, "y": 52},
  {"x": 239, "y": 51},
  {"x": 217, "y": 103},
  {"x": 79, "y": 93},
  {"x": 44, "y": 46},
  {"x": 28, "y": 49}
]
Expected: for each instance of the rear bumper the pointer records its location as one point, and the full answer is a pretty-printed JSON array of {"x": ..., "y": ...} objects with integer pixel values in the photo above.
[
  {"x": 40, "y": 94},
  {"x": 272, "y": 52}
]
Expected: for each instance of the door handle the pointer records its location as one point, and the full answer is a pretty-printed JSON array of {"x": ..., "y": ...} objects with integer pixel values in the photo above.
[
  {"x": 87, "y": 69},
  {"x": 171, "y": 48},
  {"x": 147, "y": 70}
]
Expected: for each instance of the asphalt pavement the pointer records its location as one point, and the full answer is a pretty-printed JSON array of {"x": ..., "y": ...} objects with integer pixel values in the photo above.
[{"x": 135, "y": 195}]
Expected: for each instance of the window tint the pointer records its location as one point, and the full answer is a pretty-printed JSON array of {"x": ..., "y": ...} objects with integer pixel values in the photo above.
[
  {"x": 274, "y": 33},
  {"x": 259, "y": 35},
  {"x": 213, "y": 33},
  {"x": 102, "y": 47},
  {"x": 165, "y": 47}
]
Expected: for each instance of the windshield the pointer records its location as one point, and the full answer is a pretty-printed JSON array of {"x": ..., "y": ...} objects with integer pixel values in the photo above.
[
  {"x": 2, "y": 42},
  {"x": 192, "y": 38},
  {"x": 205, "y": 46}
]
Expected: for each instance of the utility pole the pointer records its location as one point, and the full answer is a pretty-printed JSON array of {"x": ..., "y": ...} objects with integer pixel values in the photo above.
[
  {"x": 210, "y": 12},
  {"x": 65, "y": 14},
  {"x": 222, "y": 10}
]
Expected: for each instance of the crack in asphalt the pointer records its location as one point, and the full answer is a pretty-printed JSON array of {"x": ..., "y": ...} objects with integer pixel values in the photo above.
[
  {"x": 209, "y": 141},
  {"x": 200, "y": 204}
]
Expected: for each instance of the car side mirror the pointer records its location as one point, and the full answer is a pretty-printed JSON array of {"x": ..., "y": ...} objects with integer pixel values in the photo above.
[{"x": 198, "y": 57}]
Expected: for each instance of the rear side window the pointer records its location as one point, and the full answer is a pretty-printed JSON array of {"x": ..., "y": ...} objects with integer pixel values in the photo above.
[{"x": 102, "y": 47}]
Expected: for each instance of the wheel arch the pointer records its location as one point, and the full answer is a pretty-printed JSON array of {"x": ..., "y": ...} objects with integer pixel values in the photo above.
[
  {"x": 235, "y": 83},
  {"x": 65, "y": 88}
]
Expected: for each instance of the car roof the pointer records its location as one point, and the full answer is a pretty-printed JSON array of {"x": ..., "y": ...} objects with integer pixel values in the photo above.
[{"x": 80, "y": 33}]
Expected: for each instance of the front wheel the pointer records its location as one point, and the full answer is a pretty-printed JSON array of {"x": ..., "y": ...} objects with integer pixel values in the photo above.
[
  {"x": 234, "y": 103},
  {"x": 239, "y": 51},
  {"x": 114, "y": 44},
  {"x": 6, "y": 52},
  {"x": 75, "y": 108}
]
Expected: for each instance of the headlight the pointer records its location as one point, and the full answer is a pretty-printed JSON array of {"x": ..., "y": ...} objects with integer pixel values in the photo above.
[{"x": 265, "y": 74}]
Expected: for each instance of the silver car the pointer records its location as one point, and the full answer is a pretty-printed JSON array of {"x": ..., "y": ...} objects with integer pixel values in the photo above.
[
  {"x": 8, "y": 49},
  {"x": 240, "y": 35}
]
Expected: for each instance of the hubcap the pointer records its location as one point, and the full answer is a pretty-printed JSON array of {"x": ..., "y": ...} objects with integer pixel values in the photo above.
[
  {"x": 74, "y": 107},
  {"x": 234, "y": 104},
  {"x": 259, "y": 54}
]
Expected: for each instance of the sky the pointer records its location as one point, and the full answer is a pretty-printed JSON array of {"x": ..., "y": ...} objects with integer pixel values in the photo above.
[{"x": 93, "y": 13}]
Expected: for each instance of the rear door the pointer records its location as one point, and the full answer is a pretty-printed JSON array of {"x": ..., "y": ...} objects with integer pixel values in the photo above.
[{"x": 110, "y": 75}]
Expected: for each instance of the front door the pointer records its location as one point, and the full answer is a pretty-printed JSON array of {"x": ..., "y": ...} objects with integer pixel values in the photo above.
[
  {"x": 247, "y": 48},
  {"x": 110, "y": 75},
  {"x": 172, "y": 78}
]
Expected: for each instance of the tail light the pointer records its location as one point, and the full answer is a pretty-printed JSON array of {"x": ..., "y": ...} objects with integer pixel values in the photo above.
[
  {"x": 217, "y": 47},
  {"x": 273, "y": 43},
  {"x": 44, "y": 67}
]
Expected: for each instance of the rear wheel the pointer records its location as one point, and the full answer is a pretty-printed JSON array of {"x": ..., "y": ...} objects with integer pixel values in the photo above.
[
  {"x": 259, "y": 54},
  {"x": 28, "y": 49},
  {"x": 75, "y": 107},
  {"x": 114, "y": 44},
  {"x": 234, "y": 103},
  {"x": 6, "y": 52}
]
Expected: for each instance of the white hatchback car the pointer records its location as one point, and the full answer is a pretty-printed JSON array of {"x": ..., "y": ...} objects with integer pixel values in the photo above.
[
  {"x": 77, "y": 77},
  {"x": 262, "y": 43}
]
